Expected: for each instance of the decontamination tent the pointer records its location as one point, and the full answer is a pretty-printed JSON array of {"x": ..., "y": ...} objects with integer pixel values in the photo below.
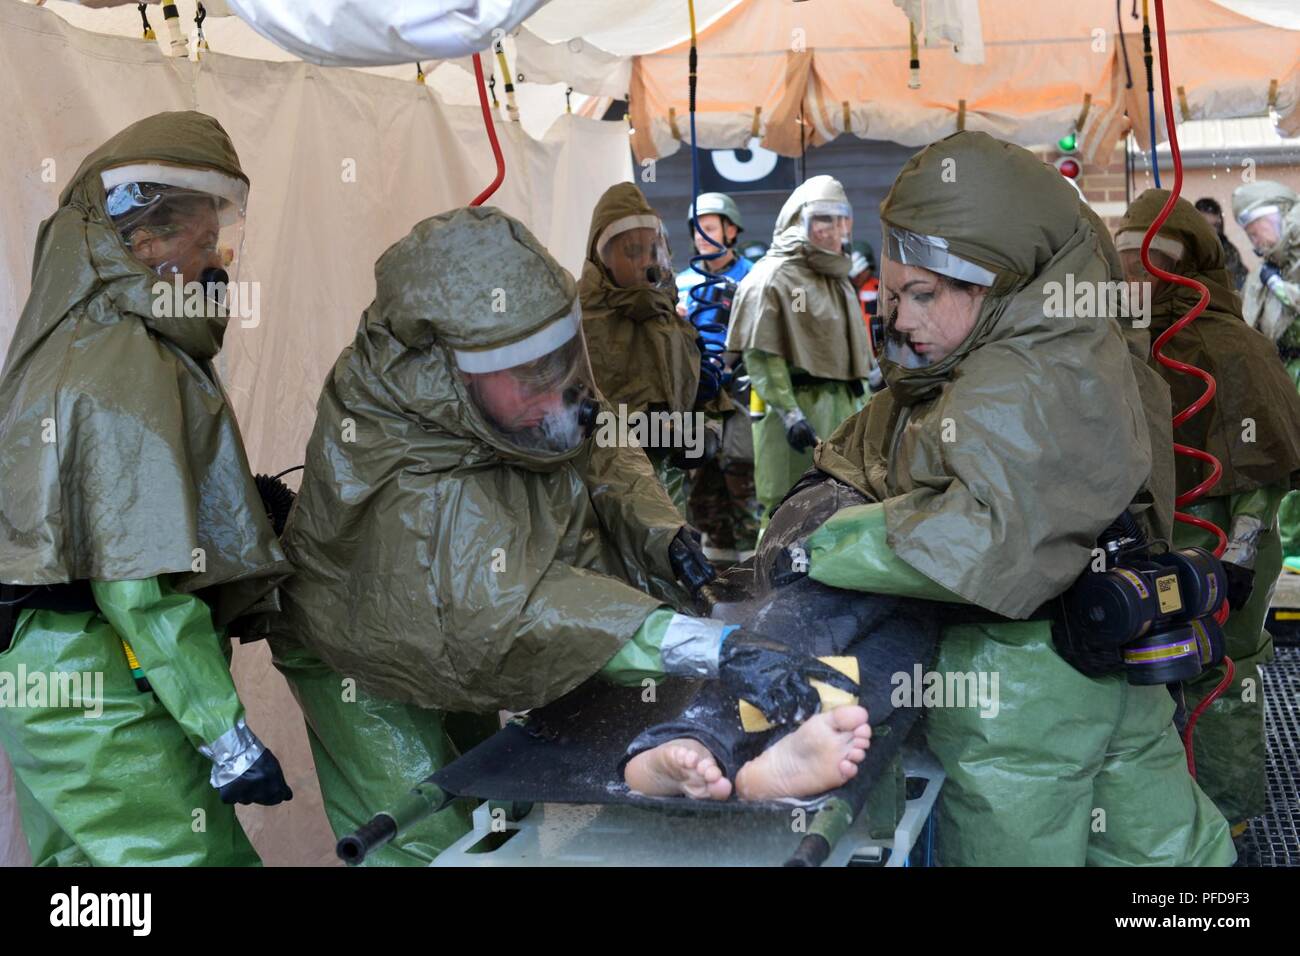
[{"x": 344, "y": 161}]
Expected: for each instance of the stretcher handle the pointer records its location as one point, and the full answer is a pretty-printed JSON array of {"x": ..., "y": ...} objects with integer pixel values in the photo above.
[{"x": 425, "y": 799}]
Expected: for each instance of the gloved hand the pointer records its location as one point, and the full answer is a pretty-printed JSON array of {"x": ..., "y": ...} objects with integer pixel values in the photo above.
[
  {"x": 1241, "y": 582},
  {"x": 798, "y": 432},
  {"x": 710, "y": 444},
  {"x": 1269, "y": 273},
  {"x": 261, "y": 783},
  {"x": 858, "y": 264},
  {"x": 686, "y": 556},
  {"x": 243, "y": 770},
  {"x": 775, "y": 678}
]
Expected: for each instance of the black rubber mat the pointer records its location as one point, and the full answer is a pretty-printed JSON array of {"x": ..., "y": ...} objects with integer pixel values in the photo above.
[
  {"x": 1274, "y": 838},
  {"x": 569, "y": 751}
]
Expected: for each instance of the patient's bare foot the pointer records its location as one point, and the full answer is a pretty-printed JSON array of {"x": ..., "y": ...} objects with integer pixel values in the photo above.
[
  {"x": 821, "y": 755},
  {"x": 678, "y": 768}
]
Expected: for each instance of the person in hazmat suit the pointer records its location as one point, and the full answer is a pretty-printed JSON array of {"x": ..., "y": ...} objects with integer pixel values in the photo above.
[
  {"x": 131, "y": 531},
  {"x": 722, "y": 503},
  {"x": 1011, "y": 434},
  {"x": 797, "y": 321},
  {"x": 645, "y": 356},
  {"x": 1270, "y": 214},
  {"x": 1252, "y": 426},
  {"x": 472, "y": 535}
]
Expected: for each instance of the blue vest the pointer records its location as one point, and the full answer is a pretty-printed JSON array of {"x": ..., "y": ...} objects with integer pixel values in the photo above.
[{"x": 701, "y": 314}]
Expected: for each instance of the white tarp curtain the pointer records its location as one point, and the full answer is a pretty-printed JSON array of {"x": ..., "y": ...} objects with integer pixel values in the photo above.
[
  {"x": 314, "y": 231},
  {"x": 584, "y": 44}
]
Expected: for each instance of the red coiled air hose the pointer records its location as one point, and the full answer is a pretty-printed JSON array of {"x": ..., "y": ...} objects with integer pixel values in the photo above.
[{"x": 1182, "y": 416}]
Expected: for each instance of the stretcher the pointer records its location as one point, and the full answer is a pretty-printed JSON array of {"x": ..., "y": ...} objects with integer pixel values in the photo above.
[{"x": 554, "y": 794}]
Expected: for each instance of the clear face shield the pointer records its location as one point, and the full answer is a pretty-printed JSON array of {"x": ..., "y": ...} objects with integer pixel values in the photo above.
[
  {"x": 634, "y": 250},
  {"x": 918, "y": 335},
  {"x": 1164, "y": 253},
  {"x": 538, "y": 394},
  {"x": 828, "y": 225},
  {"x": 1263, "y": 226},
  {"x": 180, "y": 221}
]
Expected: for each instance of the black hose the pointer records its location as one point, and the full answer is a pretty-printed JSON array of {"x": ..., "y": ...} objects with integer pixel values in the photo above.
[
  {"x": 811, "y": 852},
  {"x": 354, "y": 847},
  {"x": 277, "y": 499}
]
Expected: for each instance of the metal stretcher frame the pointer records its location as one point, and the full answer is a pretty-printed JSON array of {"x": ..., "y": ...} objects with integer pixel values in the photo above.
[{"x": 555, "y": 834}]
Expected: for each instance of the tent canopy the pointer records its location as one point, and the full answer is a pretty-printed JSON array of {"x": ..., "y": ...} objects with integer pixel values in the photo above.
[{"x": 800, "y": 74}]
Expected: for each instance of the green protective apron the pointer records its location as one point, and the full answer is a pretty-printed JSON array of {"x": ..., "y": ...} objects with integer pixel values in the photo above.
[{"x": 124, "y": 787}]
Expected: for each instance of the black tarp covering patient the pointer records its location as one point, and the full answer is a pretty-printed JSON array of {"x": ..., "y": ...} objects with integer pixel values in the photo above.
[{"x": 887, "y": 636}]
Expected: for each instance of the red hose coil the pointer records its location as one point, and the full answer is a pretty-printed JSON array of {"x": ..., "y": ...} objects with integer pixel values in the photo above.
[{"x": 1204, "y": 399}]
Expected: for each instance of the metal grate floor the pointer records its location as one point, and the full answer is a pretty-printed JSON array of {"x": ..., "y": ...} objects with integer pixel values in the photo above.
[{"x": 1274, "y": 838}]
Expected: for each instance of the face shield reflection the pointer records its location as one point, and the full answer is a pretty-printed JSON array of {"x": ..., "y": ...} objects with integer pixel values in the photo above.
[
  {"x": 537, "y": 395},
  {"x": 634, "y": 250},
  {"x": 180, "y": 221},
  {"x": 1263, "y": 227},
  {"x": 892, "y": 344},
  {"x": 828, "y": 225},
  {"x": 936, "y": 321}
]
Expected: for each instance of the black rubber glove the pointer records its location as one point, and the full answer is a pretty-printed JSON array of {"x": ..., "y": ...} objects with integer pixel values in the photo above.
[
  {"x": 687, "y": 558},
  {"x": 262, "y": 783},
  {"x": 775, "y": 678},
  {"x": 798, "y": 432},
  {"x": 1241, "y": 582}
]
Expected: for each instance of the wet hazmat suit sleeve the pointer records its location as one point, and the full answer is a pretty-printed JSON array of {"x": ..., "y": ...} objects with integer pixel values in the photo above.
[
  {"x": 1251, "y": 514},
  {"x": 180, "y": 652},
  {"x": 770, "y": 376},
  {"x": 640, "y": 658},
  {"x": 851, "y": 551},
  {"x": 636, "y": 511}
]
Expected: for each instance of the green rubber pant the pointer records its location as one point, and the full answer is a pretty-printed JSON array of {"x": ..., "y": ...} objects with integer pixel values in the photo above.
[
  {"x": 1228, "y": 739},
  {"x": 370, "y": 751},
  {"x": 1064, "y": 770},
  {"x": 777, "y": 466},
  {"x": 114, "y": 781}
]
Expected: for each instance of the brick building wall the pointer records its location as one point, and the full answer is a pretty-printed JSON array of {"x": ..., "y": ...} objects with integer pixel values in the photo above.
[{"x": 1103, "y": 185}]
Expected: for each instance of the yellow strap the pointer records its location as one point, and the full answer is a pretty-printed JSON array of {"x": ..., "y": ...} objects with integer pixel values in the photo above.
[
  {"x": 1272, "y": 94},
  {"x": 753, "y": 127},
  {"x": 672, "y": 123},
  {"x": 130, "y": 656},
  {"x": 1182, "y": 104},
  {"x": 848, "y": 118},
  {"x": 961, "y": 115}
]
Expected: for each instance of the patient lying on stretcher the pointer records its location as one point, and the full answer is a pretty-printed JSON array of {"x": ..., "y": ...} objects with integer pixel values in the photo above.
[{"x": 719, "y": 746}]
